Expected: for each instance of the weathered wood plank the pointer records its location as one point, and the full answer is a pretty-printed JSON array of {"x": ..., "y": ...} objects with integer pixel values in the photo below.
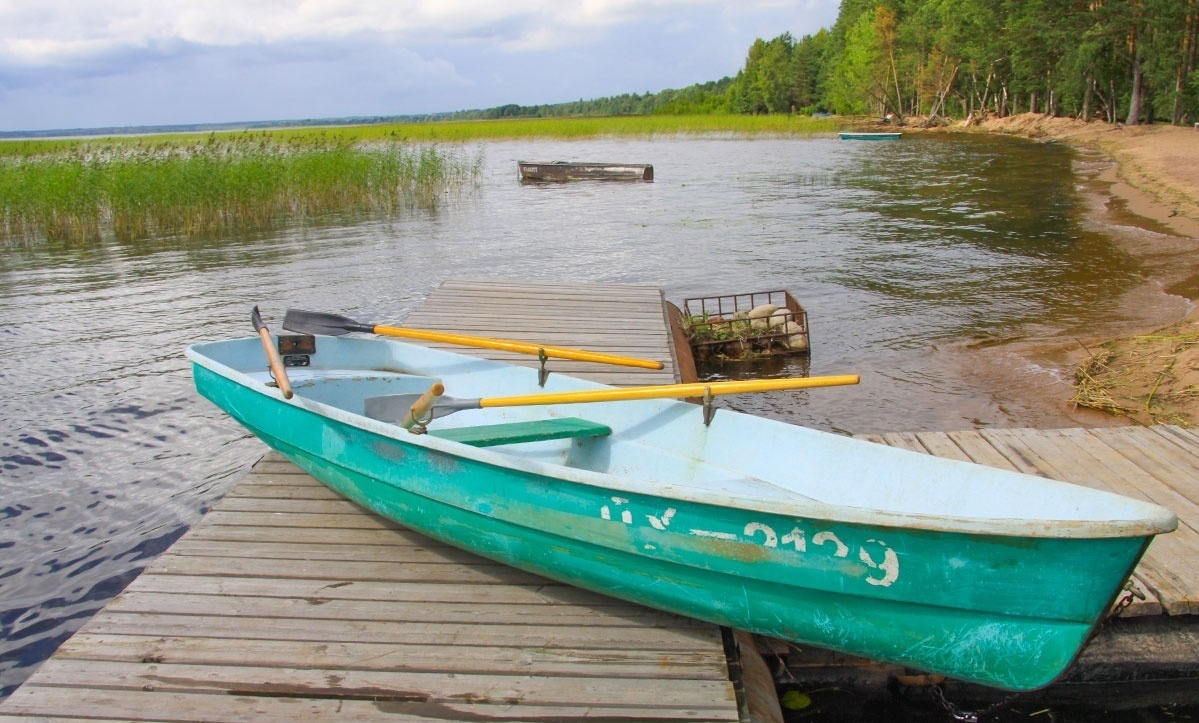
[
  {"x": 559, "y": 287},
  {"x": 647, "y": 664},
  {"x": 1174, "y": 471},
  {"x": 904, "y": 440},
  {"x": 357, "y": 521},
  {"x": 548, "y": 593},
  {"x": 941, "y": 445},
  {"x": 196, "y": 623},
  {"x": 486, "y": 307},
  {"x": 312, "y": 535},
  {"x": 290, "y": 550},
  {"x": 325, "y": 607},
  {"x": 251, "y": 489},
  {"x": 391, "y": 571},
  {"x": 492, "y": 689},
  {"x": 289, "y": 507},
  {"x": 979, "y": 450},
  {"x": 141, "y": 705}
]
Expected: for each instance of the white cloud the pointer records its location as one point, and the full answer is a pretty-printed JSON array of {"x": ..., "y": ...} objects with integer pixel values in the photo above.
[
  {"x": 77, "y": 63},
  {"x": 50, "y": 31}
]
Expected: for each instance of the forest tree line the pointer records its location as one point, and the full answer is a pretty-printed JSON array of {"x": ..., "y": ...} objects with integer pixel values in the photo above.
[{"x": 1129, "y": 61}]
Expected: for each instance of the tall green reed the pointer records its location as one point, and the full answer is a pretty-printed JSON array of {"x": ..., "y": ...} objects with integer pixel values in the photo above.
[{"x": 222, "y": 183}]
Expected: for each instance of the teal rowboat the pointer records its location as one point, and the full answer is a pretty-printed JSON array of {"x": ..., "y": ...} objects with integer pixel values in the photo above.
[
  {"x": 882, "y": 136},
  {"x": 967, "y": 571}
]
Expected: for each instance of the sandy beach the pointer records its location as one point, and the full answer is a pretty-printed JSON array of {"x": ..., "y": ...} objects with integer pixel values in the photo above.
[{"x": 1148, "y": 374}]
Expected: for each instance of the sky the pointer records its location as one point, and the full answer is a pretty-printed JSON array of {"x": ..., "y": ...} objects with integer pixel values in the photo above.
[{"x": 67, "y": 64}]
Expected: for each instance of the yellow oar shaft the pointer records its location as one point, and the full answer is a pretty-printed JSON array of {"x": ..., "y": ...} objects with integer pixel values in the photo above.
[
  {"x": 276, "y": 363},
  {"x": 670, "y": 391},
  {"x": 517, "y": 346}
]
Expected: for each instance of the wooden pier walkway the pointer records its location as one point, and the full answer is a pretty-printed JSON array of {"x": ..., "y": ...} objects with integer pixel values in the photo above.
[
  {"x": 287, "y": 602},
  {"x": 625, "y": 320}
]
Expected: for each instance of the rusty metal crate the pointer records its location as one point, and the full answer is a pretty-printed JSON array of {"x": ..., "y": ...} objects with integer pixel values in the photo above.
[{"x": 720, "y": 327}]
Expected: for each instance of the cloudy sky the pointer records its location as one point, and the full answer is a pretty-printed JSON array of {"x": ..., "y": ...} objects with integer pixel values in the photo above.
[{"x": 97, "y": 63}]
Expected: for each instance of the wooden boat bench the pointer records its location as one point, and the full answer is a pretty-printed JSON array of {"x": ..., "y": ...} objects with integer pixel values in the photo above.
[{"x": 541, "y": 430}]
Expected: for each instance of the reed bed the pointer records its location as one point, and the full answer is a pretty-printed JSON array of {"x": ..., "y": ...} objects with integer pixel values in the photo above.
[{"x": 143, "y": 188}]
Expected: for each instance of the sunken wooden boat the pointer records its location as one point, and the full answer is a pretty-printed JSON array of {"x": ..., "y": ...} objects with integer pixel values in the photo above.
[
  {"x": 558, "y": 171},
  {"x": 972, "y": 572},
  {"x": 862, "y": 136}
]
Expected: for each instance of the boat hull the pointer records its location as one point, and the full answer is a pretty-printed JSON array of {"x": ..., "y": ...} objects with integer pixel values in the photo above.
[
  {"x": 869, "y": 136},
  {"x": 559, "y": 171},
  {"x": 1010, "y": 612}
]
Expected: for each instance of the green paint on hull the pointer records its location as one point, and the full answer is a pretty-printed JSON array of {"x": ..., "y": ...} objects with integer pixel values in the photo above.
[{"x": 968, "y": 606}]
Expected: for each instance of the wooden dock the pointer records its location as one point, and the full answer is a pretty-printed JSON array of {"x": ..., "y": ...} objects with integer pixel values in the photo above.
[
  {"x": 625, "y": 320},
  {"x": 287, "y": 602}
]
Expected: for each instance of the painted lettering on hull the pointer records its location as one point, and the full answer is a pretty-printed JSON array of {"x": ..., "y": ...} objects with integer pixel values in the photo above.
[{"x": 880, "y": 560}]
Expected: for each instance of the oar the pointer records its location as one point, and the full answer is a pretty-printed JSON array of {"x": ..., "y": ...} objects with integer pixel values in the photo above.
[
  {"x": 272, "y": 354},
  {"x": 315, "y": 322},
  {"x": 420, "y": 408},
  {"x": 397, "y": 407}
]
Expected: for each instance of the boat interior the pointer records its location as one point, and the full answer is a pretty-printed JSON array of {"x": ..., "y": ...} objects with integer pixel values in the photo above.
[{"x": 663, "y": 446}]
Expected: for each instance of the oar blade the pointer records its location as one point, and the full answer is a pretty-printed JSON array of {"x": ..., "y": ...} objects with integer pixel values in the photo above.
[
  {"x": 317, "y": 322},
  {"x": 256, "y": 319},
  {"x": 394, "y": 408}
]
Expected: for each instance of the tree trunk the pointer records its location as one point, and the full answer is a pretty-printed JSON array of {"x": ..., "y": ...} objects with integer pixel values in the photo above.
[
  {"x": 1086, "y": 97},
  {"x": 1138, "y": 83},
  {"x": 1185, "y": 66},
  {"x": 1111, "y": 101}
]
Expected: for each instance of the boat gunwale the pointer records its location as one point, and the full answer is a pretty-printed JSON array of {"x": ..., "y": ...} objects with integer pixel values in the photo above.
[{"x": 1160, "y": 521}]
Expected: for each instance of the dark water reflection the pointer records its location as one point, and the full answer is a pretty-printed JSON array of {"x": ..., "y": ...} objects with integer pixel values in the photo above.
[{"x": 907, "y": 255}]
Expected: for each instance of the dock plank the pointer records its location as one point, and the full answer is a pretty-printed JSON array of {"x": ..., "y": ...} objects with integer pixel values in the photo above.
[
  {"x": 65, "y": 703},
  {"x": 492, "y": 660},
  {"x": 254, "y": 680}
]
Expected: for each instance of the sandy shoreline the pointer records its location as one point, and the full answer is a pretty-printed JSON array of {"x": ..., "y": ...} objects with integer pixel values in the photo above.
[{"x": 1146, "y": 373}]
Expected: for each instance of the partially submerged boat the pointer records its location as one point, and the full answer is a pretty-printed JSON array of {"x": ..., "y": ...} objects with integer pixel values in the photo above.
[
  {"x": 863, "y": 136},
  {"x": 972, "y": 572},
  {"x": 578, "y": 171}
]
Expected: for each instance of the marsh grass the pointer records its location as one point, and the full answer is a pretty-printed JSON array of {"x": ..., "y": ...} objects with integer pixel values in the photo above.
[{"x": 142, "y": 188}]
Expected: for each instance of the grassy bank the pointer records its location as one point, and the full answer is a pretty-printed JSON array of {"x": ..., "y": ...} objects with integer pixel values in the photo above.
[
  {"x": 578, "y": 128},
  {"x": 566, "y": 128}
]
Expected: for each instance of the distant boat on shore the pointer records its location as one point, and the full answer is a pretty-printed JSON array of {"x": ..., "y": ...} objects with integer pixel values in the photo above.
[
  {"x": 882, "y": 136},
  {"x": 576, "y": 171}
]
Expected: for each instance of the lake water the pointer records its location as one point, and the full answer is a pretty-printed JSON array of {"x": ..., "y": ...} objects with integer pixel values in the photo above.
[{"x": 929, "y": 266}]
